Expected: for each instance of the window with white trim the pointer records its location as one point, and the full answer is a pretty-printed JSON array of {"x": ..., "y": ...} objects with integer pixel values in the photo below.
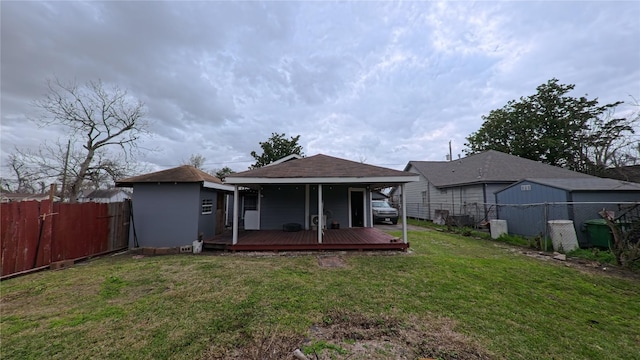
[
  {"x": 526, "y": 187},
  {"x": 207, "y": 206}
]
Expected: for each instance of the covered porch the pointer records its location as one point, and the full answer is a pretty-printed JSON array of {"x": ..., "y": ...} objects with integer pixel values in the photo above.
[{"x": 361, "y": 239}]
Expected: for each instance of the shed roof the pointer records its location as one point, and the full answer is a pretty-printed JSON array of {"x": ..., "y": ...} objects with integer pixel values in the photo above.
[
  {"x": 586, "y": 184},
  {"x": 321, "y": 169},
  {"x": 488, "y": 167},
  {"x": 180, "y": 174}
]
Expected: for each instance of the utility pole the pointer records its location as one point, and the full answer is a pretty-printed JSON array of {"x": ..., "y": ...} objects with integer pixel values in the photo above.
[{"x": 64, "y": 172}]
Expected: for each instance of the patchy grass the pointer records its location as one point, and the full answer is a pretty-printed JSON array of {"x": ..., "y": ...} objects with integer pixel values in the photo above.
[{"x": 452, "y": 297}]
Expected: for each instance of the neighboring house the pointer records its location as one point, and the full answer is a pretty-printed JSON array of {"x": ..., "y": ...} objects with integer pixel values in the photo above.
[
  {"x": 465, "y": 188},
  {"x": 172, "y": 207},
  {"x": 105, "y": 196},
  {"x": 578, "y": 200},
  {"x": 17, "y": 197},
  {"x": 626, "y": 173},
  {"x": 296, "y": 191}
]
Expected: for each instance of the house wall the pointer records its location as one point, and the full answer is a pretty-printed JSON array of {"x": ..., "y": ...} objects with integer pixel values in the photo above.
[
  {"x": 165, "y": 215},
  {"x": 207, "y": 222},
  {"x": 281, "y": 204},
  {"x": 475, "y": 200}
]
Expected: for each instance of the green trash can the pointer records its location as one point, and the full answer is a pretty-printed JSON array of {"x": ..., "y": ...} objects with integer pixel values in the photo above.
[{"x": 599, "y": 233}]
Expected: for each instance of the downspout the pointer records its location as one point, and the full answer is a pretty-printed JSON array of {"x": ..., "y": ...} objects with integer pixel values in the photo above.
[
  {"x": 404, "y": 215},
  {"x": 236, "y": 204},
  {"x": 320, "y": 213}
]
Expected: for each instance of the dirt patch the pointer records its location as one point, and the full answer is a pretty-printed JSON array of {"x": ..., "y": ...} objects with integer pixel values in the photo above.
[
  {"x": 343, "y": 335},
  {"x": 331, "y": 262}
]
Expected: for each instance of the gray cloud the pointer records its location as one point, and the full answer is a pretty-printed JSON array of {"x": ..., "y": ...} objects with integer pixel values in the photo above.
[{"x": 385, "y": 82}]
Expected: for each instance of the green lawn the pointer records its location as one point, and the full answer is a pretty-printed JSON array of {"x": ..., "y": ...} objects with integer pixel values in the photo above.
[{"x": 189, "y": 307}]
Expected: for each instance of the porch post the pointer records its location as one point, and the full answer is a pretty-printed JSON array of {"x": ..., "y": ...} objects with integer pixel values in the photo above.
[
  {"x": 404, "y": 213},
  {"x": 320, "y": 224},
  {"x": 236, "y": 204}
]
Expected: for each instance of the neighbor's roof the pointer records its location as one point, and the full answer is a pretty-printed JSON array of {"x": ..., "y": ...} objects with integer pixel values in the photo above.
[
  {"x": 321, "y": 169},
  {"x": 488, "y": 167},
  {"x": 104, "y": 193},
  {"x": 586, "y": 184},
  {"x": 180, "y": 174},
  {"x": 626, "y": 173}
]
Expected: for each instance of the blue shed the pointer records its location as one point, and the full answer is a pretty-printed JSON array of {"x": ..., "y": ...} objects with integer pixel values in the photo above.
[{"x": 527, "y": 204}]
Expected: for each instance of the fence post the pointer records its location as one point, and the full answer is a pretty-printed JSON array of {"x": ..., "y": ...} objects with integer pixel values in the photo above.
[{"x": 546, "y": 227}]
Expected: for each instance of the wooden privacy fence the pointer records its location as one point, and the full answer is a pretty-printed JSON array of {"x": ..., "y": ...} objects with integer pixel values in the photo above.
[{"x": 36, "y": 234}]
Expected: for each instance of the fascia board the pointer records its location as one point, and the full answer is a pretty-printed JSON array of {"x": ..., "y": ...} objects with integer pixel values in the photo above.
[{"x": 322, "y": 180}]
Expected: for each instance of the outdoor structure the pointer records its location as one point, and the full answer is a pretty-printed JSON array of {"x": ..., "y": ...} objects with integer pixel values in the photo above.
[
  {"x": 464, "y": 189},
  {"x": 173, "y": 207},
  {"x": 105, "y": 196},
  {"x": 528, "y": 204},
  {"x": 316, "y": 202},
  {"x": 17, "y": 197}
]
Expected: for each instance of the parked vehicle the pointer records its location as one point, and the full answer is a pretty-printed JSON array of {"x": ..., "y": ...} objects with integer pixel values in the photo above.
[{"x": 383, "y": 212}]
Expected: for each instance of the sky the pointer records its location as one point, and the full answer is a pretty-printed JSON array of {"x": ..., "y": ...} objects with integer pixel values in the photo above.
[{"x": 378, "y": 82}]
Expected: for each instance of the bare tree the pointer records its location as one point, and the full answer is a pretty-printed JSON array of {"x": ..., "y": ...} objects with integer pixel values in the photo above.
[
  {"x": 196, "y": 160},
  {"x": 105, "y": 121}
]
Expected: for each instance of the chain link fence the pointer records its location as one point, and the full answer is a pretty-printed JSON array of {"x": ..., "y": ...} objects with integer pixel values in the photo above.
[{"x": 530, "y": 220}]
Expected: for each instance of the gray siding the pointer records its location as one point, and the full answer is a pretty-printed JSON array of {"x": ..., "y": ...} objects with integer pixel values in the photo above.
[
  {"x": 166, "y": 215},
  {"x": 207, "y": 222},
  {"x": 416, "y": 208},
  {"x": 281, "y": 204}
]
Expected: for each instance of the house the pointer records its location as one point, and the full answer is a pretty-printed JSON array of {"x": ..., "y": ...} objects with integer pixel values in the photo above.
[
  {"x": 105, "y": 196},
  {"x": 320, "y": 194},
  {"x": 173, "y": 207},
  {"x": 625, "y": 173},
  {"x": 17, "y": 197},
  {"x": 528, "y": 204},
  {"x": 464, "y": 189}
]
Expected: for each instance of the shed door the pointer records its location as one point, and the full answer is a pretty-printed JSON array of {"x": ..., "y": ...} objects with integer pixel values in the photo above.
[
  {"x": 220, "y": 213},
  {"x": 357, "y": 208}
]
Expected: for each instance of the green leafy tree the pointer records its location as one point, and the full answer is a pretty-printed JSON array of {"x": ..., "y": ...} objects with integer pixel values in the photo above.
[
  {"x": 276, "y": 147},
  {"x": 556, "y": 129},
  {"x": 223, "y": 173}
]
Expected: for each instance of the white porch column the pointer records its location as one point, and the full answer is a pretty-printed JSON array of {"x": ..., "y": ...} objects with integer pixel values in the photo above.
[
  {"x": 404, "y": 214},
  {"x": 236, "y": 204},
  {"x": 320, "y": 211}
]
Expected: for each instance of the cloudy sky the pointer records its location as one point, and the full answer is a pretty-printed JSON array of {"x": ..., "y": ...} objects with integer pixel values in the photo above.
[{"x": 379, "y": 82}]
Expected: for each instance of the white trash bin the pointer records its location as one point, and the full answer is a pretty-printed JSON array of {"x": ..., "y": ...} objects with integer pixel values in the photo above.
[
  {"x": 197, "y": 246},
  {"x": 498, "y": 227},
  {"x": 563, "y": 235}
]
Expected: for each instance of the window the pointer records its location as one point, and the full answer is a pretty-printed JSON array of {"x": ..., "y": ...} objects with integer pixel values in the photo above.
[
  {"x": 424, "y": 198},
  {"x": 207, "y": 206},
  {"x": 525, "y": 187},
  {"x": 443, "y": 191}
]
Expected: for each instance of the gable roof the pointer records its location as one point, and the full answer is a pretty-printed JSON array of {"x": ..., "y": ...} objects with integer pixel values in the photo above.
[
  {"x": 180, "y": 174},
  {"x": 319, "y": 169},
  {"x": 488, "y": 167},
  {"x": 586, "y": 184}
]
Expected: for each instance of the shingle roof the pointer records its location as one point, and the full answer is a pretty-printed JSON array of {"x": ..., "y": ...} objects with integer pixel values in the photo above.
[
  {"x": 589, "y": 184},
  {"x": 626, "y": 173},
  {"x": 319, "y": 166},
  {"x": 488, "y": 167},
  {"x": 103, "y": 193},
  {"x": 180, "y": 174}
]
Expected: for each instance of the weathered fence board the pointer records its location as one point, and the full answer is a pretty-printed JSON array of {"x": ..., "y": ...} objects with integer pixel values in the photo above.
[{"x": 35, "y": 234}]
